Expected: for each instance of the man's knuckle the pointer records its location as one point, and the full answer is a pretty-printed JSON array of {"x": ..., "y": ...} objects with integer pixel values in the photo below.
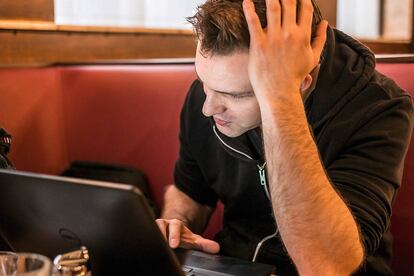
[
  {"x": 288, "y": 36},
  {"x": 260, "y": 44},
  {"x": 250, "y": 19},
  {"x": 307, "y": 7},
  {"x": 175, "y": 221},
  {"x": 160, "y": 221},
  {"x": 299, "y": 37}
]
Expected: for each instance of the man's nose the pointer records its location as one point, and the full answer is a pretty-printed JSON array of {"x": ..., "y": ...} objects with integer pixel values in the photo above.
[{"x": 212, "y": 105}]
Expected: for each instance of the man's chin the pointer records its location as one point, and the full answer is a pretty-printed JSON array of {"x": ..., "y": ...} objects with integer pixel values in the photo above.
[{"x": 229, "y": 132}]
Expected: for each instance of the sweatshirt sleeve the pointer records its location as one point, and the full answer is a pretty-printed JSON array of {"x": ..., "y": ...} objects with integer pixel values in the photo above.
[
  {"x": 187, "y": 174},
  {"x": 368, "y": 172}
]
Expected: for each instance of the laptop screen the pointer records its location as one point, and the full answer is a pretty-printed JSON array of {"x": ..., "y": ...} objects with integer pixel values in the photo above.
[{"x": 53, "y": 215}]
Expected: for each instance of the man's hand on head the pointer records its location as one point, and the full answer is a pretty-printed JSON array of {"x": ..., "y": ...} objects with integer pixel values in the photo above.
[
  {"x": 178, "y": 235},
  {"x": 282, "y": 55},
  {"x": 304, "y": 201}
]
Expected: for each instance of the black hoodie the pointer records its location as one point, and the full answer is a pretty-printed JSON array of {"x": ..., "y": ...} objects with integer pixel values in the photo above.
[{"x": 362, "y": 124}]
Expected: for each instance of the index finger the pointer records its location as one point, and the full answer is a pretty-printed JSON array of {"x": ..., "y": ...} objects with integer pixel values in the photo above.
[
  {"x": 252, "y": 19},
  {"x": 319, "y": 41},
  {"x": 174, "y": 233}
]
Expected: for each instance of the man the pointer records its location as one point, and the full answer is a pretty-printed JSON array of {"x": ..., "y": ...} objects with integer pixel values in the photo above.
[{"x": 291, "y": 127}]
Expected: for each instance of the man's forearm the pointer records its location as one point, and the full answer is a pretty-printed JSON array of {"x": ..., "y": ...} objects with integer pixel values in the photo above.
[
  {"x": 316, "y": 226},
  {"x": 178, "y": 205}
]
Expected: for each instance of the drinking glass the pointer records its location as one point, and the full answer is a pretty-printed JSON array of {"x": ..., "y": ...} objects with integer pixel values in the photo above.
[
  {"x": 24, "y": 264},
  {"x": 31, "y": 264},
  {"x": 8, "y": 263}
]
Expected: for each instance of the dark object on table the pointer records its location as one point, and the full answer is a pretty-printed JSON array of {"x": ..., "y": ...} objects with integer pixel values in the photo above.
[
  {"x": 5, "y": 144},
  {"x": 112, "y": 173}
]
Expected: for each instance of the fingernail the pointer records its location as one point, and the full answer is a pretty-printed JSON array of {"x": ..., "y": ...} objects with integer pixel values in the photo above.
[{"x": 173, "y": 242}]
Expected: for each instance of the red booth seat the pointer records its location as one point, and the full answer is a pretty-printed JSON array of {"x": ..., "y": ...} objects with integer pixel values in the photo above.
[
  {"x": 120, "y": 114},
  {"x": 129, "y": 114},
  {"x": 125, "y": 114},
  {"x": 402, "y": 220}
]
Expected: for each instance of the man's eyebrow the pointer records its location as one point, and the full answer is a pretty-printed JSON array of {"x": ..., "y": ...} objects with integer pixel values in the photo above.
[{"x": 232, "y": 93}]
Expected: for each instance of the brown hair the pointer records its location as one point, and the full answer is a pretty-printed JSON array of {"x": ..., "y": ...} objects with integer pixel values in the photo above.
[{"x": 221, "y": 27}]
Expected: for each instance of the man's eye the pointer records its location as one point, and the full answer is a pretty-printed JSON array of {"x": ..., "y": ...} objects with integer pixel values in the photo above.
[{"x": 236, "y": 96}]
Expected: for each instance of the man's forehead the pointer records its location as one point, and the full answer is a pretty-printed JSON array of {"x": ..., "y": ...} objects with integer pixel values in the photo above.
[
  {"x": 227, "y": 74},
  {"x": 234, "y": 64}
]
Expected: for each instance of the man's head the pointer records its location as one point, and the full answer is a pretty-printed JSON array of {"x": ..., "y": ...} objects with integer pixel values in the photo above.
[
  {"x": 221, "y": 63},
  {"x": 222, "y": 29}
]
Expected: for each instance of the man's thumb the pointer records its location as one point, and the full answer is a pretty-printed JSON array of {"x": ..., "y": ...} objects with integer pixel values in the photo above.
[{"x": 208, "y": 246}]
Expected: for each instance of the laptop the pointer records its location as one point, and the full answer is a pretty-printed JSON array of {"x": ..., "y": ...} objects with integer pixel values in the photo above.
[{"x": 52, "y": 215}]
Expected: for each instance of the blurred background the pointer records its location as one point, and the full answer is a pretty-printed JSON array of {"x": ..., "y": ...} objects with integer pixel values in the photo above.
[{"x": 61, "y": 31}]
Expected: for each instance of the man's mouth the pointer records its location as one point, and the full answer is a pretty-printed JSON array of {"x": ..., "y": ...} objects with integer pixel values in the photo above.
[{"x": 220, "y": 122}]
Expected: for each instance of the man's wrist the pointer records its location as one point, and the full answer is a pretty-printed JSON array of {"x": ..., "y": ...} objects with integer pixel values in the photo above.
[{"x": 274, "y": 100}]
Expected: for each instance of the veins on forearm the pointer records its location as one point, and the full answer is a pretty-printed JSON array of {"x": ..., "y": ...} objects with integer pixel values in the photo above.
[{"x": 311, "y": 216}]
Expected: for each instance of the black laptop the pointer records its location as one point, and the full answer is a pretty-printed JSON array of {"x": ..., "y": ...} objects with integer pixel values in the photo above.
[{"x": 53, "y": 215}]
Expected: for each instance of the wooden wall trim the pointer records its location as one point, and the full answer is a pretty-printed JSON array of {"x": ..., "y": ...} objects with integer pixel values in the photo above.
[
  {"x": 146, "y": 61},
  {"x": 37, "y": 25},
  {"x": 398, "y": 58},
  {"x": 388, "y": 47},
  {"x": 27, "y": 9},
  {"x": 22, "y": 48}
]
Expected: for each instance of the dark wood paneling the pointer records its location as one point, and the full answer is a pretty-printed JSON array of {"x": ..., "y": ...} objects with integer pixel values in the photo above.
[
  {"x": 328, "y": 9},
  {"x": 27, "y": 9},
  {"x": 398, "y": 58},
  {"x": 45, "y": 47},
  {"x": 388, "y": 47}
]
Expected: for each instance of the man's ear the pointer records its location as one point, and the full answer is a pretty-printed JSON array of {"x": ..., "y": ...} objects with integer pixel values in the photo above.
[{"x": 306, "y": 83}]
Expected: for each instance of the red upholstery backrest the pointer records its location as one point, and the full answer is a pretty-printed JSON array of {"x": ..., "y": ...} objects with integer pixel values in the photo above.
[
  {"x": 126, "y": 114},
  {"x": 121, "y": 114},
  {"x": 31, "y": 110},
  {"x": 402, "y": 220}
]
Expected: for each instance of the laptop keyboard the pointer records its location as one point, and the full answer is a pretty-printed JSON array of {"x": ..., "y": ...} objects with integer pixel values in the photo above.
[{"x": 202, "y": 264}]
